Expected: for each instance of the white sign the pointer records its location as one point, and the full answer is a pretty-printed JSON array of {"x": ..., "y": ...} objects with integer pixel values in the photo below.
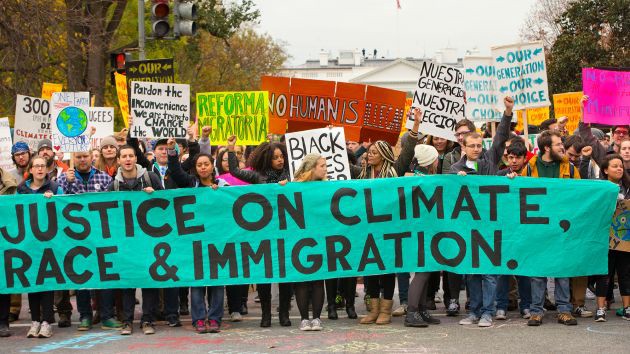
[
  {"x": 32, "y": 120},
  {"x": 440, "y": 95},
  {"x": 483, "y": 102},
  {"x": 5, "y": 145},
  {"x": 102, "y": 118},
  {"x": 330, "y": 143},
  {"x": 521, "y": 72},
  {"x": 69, "y": 121},
  {"x": 159, "y": 110}
]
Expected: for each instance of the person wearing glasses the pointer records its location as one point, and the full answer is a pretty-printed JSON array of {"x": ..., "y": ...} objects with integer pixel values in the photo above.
[{"x": 462, "y": 128}]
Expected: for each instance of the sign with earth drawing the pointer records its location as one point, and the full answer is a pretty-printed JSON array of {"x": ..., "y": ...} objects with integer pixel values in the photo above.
[{"x": 69, "y": 121}]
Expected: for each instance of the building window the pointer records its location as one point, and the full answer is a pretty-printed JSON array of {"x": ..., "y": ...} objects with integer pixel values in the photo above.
[
  {"x": 309, "y": 75},
  {"x": 334, "y": 74}
]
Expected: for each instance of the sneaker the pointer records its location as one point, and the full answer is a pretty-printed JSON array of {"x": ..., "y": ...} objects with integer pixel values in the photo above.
[
  {"x": 619, "y": 311},
  {"x": 236, "y": 317},
  {"x": 567, "y": 319},
  {"x": 590, "y": 295},
  {"x": 626, "y": 313},
  {"x": 305, "y": 325},
  {"x": 471, "y": 319},
  {"x": 64, "y": 321},
  {"x": 111, "y": 323},
  {"x": 4, "y": 331},
  {"x": 316, "y": 325},
  {"x": 600, "y": 315},
  {"x": 453, "y": 308},
  {"x": 486, "y": 321},
  {"x": 213, "y": 326},
  {"x": 33, "y": 332},
  {"x": 126, "y": 329},
  {"x": 535, "y": 320},
  {"x": 582, "y": 311},
  {"x": 413, "y": 319},
  {"x": 45, "y": 331},
  {"x": 85, "y": 325},
  {"x": 200, "y": 327},
  {"x": 147, "y": 328},
  {"x": 526, "y": 314},
  {"x": 426, "y": 317},
  {"x": 400, "y": 310},
  {"x": 173, "y": 322},
  {"x": 501, "y": 315}
]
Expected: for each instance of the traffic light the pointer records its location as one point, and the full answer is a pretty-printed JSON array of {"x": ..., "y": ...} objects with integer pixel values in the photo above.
[
  {"x": 159, "y": 17},
  {"x": 185, "y": 16},
  {"x": 117, "y": 61}
]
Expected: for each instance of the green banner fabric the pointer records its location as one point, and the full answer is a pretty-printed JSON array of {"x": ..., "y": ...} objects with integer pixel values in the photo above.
[{"x": 305, "y": 231}]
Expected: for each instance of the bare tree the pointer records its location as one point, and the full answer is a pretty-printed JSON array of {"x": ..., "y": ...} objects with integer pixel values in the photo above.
[{"x": 541, "y": 22}]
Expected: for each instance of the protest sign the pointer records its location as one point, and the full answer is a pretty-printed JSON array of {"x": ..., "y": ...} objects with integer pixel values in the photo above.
[
  {"x": 403, "y": 126},
  {"x": 609, "y": 96},
  {"x": 5, "y": 145},
  {"x": 152, "y": 70},
  {"x": 440, "y": 95},
  {"x": 521, "y": 72},
  {"x": 306, "y": 231},
  {"x": 330, "y": 143},
  {"x": 32, "y": 120},
  {"x": 568, "y": 104},
  {"x": 244, "y": 114},
  {"x": 102, "y": 118},
  {"x": 70, "y": 121},
  {"x": 619, "y": 239},
  {"x": 535, "y": 116},
  {"x": 159, "y": 110},
  {"x": 123, "y": 98},
  {"x": 480, "y": 83},
  {"x": 365, "y": 112},
  {"x": 48, "y": 89}
]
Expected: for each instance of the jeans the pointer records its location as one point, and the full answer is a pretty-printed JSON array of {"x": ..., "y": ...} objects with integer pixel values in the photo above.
[
  {"x": 106, "y": 304},
  {"x": 171, "y": 303},
  {"x": 562, "y": 294},
  {"x": 403, "y": 286},
  {"x": 235, "y": 295},
  {"x": 198, "y": 303},
  {"x": 483, "y": 289},
  {"x": 503, "y": 291},
  {"x": 62, "y": 302},
  {"x": 150, "y": 299}
]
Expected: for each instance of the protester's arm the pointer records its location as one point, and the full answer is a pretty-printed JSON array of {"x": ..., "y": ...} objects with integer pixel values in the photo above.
[
  {"x": 244, "y": 175},
  {"x": 408, "y": 143},
  {"x": 193, "y": 150},
  {"x": 181, "y": 178},
  {"x": 64, "y": 167},
  {"x": 135, "y": 144},
  {"x": 599, "y": 152},
  {"x": 503, "y": 133},
  {"x": 204, "y": 142},
  {"x": 361, "y": 150}
]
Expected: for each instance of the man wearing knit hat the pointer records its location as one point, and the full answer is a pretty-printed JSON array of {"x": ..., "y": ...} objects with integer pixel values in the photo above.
[
  {"x": 21, "y": 155},
  {"x": 54, "y": 168}
]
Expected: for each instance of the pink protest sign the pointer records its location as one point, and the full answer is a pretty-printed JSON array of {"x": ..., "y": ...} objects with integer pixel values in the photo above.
[{"x": 609, "y": 96}]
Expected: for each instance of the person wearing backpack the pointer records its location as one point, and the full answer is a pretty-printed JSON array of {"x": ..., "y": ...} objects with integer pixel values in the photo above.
[{"x": 133, "y": 177}]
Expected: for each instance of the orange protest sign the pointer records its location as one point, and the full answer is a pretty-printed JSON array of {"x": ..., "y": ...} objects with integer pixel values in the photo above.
[
  {"x": 123, "y": 99},
  {"x": 535, "y": 116},
  {"x": 568, "y": 104},
  {"x": 48, "y": 89}
]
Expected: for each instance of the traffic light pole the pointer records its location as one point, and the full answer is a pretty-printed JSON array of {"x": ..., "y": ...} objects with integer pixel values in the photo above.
[{"x": 141, "y": 37}]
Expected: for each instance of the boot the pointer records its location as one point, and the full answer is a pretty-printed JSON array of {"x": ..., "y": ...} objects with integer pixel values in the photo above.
[
  {"x": 332, "y": 312},
  {"x": 413, "y": 319},
  {"x": 265, "y": 306},
  {"x": 373, "y": 314},
  {"x": 385, "y": 312},
  {"x": 352, "y": 313},
  {"x": 285, "y": 321}
]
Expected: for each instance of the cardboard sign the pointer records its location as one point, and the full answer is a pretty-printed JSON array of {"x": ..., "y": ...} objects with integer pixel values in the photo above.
[
  {"x": 619, "y": 239},
  {"x": 123, "y": 98},
  {"x": 32, "y": 120},
  {"x": 5, "y": 145},
  {"x": 330, "y": 143},
  {"x": 365, "y": 112},
  {"x": 159, "y": 110},
  {"x": 48, "y": 89},
  {"x": 440, "y": 95},
  {"x": 153, "y": 70},
  {"x": 70, "y": 121},
  {"x": 102, "y": 118},
  {"x": 568, "y": 104},
  {"x": 535, "y": 116},
  {"x": 521, "y": 73},
  {"x": 305, "y": 231},
  {"x": 609, "y": 96},
  {"x": 244, "y": 114},
  {"x": 483, "y": 102}
]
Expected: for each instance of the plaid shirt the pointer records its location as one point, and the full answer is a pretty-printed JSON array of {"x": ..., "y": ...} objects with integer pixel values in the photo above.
[{"x": 98, "y": 181}]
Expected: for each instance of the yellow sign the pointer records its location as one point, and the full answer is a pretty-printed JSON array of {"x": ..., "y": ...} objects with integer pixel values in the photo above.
[
  {"x": 244, "y": 114},
  {"x": 123, "y": 99},
  {"x": 403, "y": 128},
  {"x": 568, "y": 104},
  {"x": 535, "y": 116},
  {"x": 48, "y": 89}
]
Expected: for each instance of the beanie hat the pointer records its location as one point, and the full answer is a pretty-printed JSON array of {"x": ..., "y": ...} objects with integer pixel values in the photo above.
[
  {"x": 44, "y": 143},
  {"x": 598, "y": 134},
  {"x": 425, "y": 154},
  {"x": 385, "y": 150},
  {"x": 18, "y": 147},
  {"x": 109, "y": 140}
]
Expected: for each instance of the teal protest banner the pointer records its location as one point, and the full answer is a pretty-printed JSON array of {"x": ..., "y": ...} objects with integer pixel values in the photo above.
[{"x": 305, "y": 231}]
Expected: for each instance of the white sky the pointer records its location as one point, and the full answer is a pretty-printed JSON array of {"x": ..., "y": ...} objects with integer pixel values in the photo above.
[{"x": 420, "y": 27}]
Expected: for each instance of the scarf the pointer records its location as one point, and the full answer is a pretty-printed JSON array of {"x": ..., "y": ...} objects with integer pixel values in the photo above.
[
  {"x": 387, "y": 170},
  {"x": 274, "y": 176}
]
